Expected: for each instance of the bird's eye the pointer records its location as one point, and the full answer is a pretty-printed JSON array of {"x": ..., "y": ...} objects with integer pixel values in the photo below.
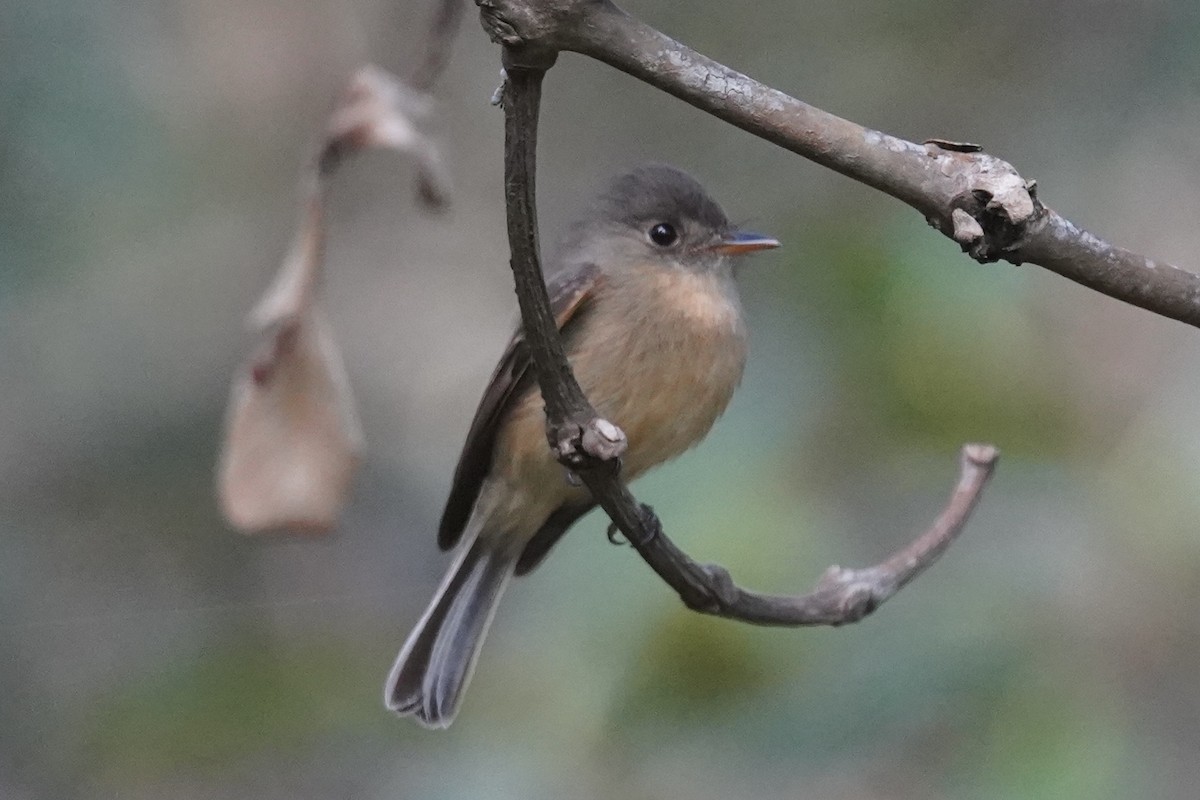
[{"x": 663, "y": 235}]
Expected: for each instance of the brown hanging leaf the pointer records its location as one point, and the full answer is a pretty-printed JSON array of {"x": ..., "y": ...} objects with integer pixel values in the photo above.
[{"x": 292, "y": 438}]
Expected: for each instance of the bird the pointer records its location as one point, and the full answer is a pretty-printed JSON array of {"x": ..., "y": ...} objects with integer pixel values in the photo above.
[{"x": 648, "y": 311}]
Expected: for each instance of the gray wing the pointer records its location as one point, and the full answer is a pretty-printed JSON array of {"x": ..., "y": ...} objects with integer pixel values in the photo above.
[{"x": 570, "y": 291}]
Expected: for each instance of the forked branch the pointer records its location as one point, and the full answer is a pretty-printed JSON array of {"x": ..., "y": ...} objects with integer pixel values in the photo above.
[{"x": 581, "y": 439}]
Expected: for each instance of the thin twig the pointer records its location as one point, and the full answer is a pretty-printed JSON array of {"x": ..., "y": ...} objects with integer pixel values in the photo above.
[
  {"x": 522, "y": 94},
  {"x": 841, "y": 596},
  {"x": 446, "y": 20},
  {"x": 978, "y": 200}
]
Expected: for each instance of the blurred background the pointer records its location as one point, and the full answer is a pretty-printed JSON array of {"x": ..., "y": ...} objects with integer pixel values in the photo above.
[{"x": 149, "y": 163}]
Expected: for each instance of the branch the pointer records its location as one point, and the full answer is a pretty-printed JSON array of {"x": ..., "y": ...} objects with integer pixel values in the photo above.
[
  {"x": 841, "y": 595},
  {"x": 976, "y": 199},
  {"x": 584, "y": 442},
  {"x": 446, "y": 20}
]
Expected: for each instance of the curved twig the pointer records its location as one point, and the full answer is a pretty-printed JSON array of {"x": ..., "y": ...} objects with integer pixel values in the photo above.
[{"x": 842, "y": 595}]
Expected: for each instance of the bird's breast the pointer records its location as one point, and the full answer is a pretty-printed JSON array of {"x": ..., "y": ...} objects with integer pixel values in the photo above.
[{"x": 660, "y": 355}]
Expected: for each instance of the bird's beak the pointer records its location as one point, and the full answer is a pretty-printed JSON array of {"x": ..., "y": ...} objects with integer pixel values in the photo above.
[{"x": 741, "y": 242}]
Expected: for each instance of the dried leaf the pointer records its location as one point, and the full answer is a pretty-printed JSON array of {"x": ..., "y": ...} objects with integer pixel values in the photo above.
[{"x": 292, "y": 437}]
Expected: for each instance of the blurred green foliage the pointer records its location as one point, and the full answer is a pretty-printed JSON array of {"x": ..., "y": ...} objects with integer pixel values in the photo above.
[
  {"x": 232, "y": 700},
  {"x": 931, "y": 348}
]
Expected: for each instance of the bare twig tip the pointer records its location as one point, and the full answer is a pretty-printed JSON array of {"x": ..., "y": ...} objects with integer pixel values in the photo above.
[
  {"x": 984, "y": 455},
  {"x": 603, "y": 440}
]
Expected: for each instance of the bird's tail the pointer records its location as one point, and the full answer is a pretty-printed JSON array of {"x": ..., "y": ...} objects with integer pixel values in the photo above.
[{"x": 436, "y": 662}]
